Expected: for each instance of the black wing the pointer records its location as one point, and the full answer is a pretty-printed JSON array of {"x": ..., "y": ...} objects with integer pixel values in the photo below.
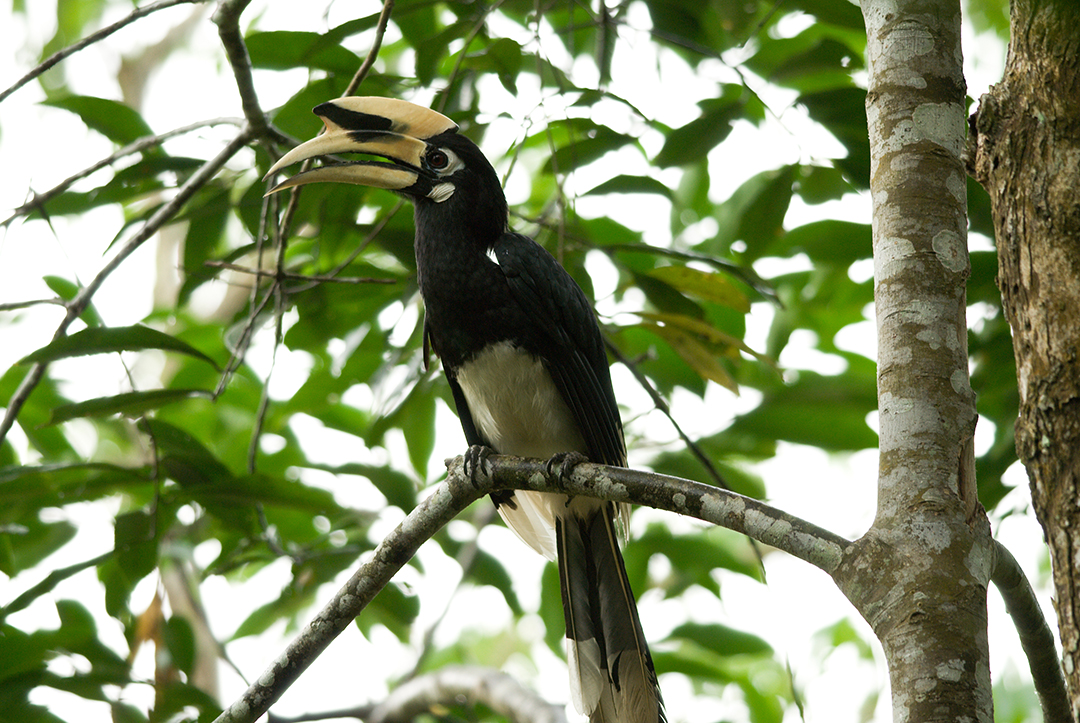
[{"x": 565, "y": 335}]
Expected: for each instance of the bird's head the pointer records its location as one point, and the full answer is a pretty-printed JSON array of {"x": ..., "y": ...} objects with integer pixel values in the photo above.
[{"x": 443, "y": 173}]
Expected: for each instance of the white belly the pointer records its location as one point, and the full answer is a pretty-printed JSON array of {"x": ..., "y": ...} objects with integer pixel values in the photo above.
[
  {"x": 515, "y": 405},
  {"x": 517, "y": 408}
]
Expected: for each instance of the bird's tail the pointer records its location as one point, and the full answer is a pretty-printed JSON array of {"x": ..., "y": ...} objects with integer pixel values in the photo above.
[{"x": 612, "y": 678}]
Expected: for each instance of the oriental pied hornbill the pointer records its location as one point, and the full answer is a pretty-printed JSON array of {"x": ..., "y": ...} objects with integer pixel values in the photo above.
[{"x": 526, "y": 364}]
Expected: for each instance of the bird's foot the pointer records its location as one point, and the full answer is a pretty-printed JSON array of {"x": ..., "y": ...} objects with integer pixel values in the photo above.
[
  {"x": 563, "y": 464},
  {"x": 476, "y": 466}
]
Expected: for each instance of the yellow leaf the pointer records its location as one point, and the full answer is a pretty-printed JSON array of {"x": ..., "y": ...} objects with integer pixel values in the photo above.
[
  {"x": 695, "y": 354},
  {"x": 706, "y": 285}
]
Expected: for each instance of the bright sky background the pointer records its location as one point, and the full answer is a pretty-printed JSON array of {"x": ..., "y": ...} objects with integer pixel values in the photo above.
[{"x": 38, "y": 149}]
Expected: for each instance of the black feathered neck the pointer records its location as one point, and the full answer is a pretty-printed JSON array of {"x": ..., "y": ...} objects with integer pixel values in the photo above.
[{"x": 475, "y": 215}]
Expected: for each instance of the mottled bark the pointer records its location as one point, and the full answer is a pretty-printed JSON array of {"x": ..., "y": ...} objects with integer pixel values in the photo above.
[
  {"x": 1027, "y": 155},
  {"x": 920, "y": 575}
]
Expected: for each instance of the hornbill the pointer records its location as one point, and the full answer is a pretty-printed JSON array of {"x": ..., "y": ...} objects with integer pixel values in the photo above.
[{"x": 522, "y": 352}]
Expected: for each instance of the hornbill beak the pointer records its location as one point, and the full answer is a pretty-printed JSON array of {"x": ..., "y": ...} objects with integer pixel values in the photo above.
[{"x": 386, "y": 127}]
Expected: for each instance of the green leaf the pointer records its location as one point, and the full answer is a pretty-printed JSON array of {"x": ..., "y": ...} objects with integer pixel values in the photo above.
[
  {"x": 694, "y": 140},
  {"x": 33, "y": 541},
  {"x": 502, "y": 57},
  {"x": 206, "y": 215},
  {"x": 830, "y": 242},
  {"x": 116, "y": 121},
  {"x": 818, "y": 58},
  {"x": 180, "y": 640},
  {"x": 485, "y": 569},
  {"x": 398, "y": 488},
  {"x": 630, "y": 184},
  {"x": 551, "y": 609},
  {"x": 694, "y": 558},
  {"x": 131, "y": 404},
  {"x": 695, "y": 354},
  {"x": 754, "y": 213},
  {"x": 818, "y": 184},
  {"x": 393, "y": 608},
  {"x": 822, "y": 411},
  {"x": 67, "y": 290},
  {"x": 721, "y": 639},
  {"x": 598, "y": 140},
  {"x": 104, "y": 340},
  {"x": 135, "y": 539},
  {"x": 284, "y": 49},
  {"x": 842, "y": 112}
]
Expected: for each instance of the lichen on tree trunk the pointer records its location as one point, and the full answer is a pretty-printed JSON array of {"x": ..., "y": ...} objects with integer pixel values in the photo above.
[
  {"x": 1027, "y": 156},
  {"x": 920, "y": 575}
]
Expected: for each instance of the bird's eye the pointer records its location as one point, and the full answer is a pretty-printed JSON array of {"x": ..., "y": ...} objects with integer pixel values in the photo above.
[{"x": 438, "y": 160}]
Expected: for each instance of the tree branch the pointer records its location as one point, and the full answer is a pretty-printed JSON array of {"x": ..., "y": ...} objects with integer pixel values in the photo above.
[
  {"x": 448, "y": 499},
  {"x": 136, "y": 146},
  {"x": 90, "y": 40},
  {"x": 802, "y": 539},
  {"x": 1035, "y": 635},
  {"x": 227, "y": 18},
  {"x": 373, "y": 51},
  {"x": 77, "y": 305}
]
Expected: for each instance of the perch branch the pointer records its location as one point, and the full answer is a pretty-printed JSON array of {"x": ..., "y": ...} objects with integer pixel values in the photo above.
[{"x": 802, "y": 539}]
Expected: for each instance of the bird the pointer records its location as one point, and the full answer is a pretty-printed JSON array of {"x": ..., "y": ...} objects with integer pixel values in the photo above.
[{"x": 523, "y": 354}]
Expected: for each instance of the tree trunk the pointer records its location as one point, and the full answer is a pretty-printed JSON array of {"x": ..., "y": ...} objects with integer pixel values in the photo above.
[
  {"x": 1028, "y": 158},
  {"x": 920, "y": 575}
]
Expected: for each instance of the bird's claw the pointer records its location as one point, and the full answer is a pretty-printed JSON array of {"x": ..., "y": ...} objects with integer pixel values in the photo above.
[
  {"x": 476, "y": 465},
  {"x": 563, "y": 464}
]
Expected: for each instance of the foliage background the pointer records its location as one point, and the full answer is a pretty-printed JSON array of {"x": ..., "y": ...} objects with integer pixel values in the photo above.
[{"x": 699, "y": 167}]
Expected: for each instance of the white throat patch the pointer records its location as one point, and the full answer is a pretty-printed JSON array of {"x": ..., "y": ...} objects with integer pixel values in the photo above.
[{"x": 441, "y": 192}]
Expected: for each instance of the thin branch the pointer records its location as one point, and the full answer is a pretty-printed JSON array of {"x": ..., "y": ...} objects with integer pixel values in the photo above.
[
  {"x": 89, "y": 40},
  {"x": 1036, "y": 637},
  {"x": 227, "y": 18},
  {"x": 16, "y": 305},
  {"x": 444, "y": 94},
  {"x": 77, "y": 305},
  {"x": 373, "y": 52},
  {"x": 136, "y": 146},
  {"x": 766, "y": 524},
  {"x": 660, "y": 403}
]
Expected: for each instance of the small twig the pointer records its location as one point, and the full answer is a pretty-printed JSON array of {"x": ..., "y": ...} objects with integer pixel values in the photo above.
[
  {"x": 242, "y": 343},
  {"x": 15, "y": 305},
  {"x": 77, "y": 305},
  {"x": 136, "y": 146},
  {"x": 90, "y": 40},
  {"x": 660, "y": 403},
  {"x": 373, "y": 52},
  {"x": 444, "y": 94}
]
